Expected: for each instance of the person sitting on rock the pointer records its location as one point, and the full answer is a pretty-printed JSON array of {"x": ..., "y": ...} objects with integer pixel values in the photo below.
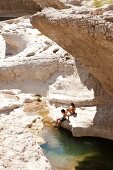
[
  {"x": 59, "y": 121},
  {"x": 71, "y": 110}
]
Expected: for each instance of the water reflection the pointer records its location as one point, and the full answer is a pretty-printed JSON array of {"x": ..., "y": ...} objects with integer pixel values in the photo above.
[{"x": 64, "y": 151}]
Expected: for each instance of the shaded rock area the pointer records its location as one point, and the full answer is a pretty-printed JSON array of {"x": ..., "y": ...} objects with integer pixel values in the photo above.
[{"x": 16, "y": 8}]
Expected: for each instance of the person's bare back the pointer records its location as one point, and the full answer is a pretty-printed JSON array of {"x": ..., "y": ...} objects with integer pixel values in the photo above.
[{"x": 71, "y": 110}]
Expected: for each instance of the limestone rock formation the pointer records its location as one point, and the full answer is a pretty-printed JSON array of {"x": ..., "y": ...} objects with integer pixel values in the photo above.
[
  {"x": 19, "y": 146},
  {"x": 33, "y": 63},
  {"x": 86, "y": 36},
  {"x": 15, "y": 8},
  {"x": 49, "y": 3}
]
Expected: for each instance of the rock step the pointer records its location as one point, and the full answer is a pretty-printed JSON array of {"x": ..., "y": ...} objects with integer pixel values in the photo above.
[{"x": 60, "y": 99}]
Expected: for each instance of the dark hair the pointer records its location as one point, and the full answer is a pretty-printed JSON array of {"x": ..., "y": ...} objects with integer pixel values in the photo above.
[
  {"x": 63, "y": 111},
  {"x": 72, "y": 104}
]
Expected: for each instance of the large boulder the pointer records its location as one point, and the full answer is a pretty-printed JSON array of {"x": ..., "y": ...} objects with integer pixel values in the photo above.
[{"x": 86, "y": 36}]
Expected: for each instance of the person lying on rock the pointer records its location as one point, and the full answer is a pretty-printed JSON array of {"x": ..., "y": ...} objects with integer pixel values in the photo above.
[
  {"x": 59, "y": 121},
  {"x": 71, "y": 110}
]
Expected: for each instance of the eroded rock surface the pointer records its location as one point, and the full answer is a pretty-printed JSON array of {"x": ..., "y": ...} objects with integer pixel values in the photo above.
[
  {"x": 19, "y": 139},
  {"x": 58, "y": 3},
  {"x": 32, "y": 63},
  {"x": 85, "y": 35},
  {"x": 16, "y": 8}
]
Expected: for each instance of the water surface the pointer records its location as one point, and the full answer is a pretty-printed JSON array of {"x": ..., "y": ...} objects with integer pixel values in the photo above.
[{"x": 66, "y": 152}]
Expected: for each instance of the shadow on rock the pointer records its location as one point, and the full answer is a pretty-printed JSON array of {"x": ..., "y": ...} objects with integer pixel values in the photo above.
[{"x": 95, "y": 163}]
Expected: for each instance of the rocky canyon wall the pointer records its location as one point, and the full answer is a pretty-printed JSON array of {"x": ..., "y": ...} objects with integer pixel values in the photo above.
[
  {"x": 59, "y": 4},
  {"x": 28, "y": 5},
  {"x": 17, "y": 8},
  {"x": 33, "y": 63},
  {"x": 32, "y": 6},
  {"x": 85, "y": 35}
]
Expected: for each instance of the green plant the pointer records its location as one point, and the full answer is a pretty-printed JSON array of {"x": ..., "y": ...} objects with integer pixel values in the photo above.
[
  {"x": 110, "y": 1},
  {"x": 99, "y": 3}
]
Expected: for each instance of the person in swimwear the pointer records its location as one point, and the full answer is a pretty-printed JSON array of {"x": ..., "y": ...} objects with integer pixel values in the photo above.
[{"x": 59, "y": 121}]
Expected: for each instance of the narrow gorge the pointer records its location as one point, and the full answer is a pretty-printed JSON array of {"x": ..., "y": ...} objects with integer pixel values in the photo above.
[{"x": 54, "y": 52}]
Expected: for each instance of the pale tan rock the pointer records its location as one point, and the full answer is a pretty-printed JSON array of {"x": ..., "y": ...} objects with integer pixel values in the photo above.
[
  {"x": 18, "y": 8},
  {"x": 8, "y": 103},
  {"x": 19, "y": 146},
  {"x": 89, "y": 39},
  {"x": 52, "y": 72},
  {"x": 91, "y": 43},
  {"x": 3, "y": 47},
  {"x": 42, "y": 66}
]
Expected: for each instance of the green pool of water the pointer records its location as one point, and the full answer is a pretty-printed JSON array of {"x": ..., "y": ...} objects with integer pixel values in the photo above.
[{"x": 66, "y": 152}]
